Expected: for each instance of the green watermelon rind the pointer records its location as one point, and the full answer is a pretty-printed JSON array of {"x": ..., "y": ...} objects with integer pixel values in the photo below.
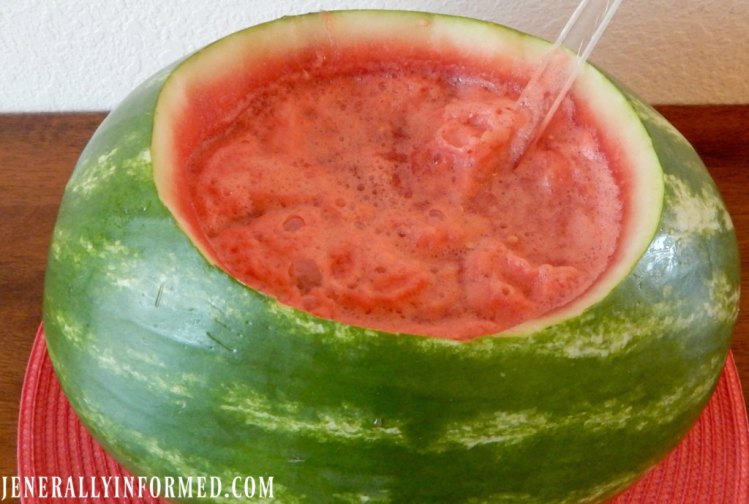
[{"x": 178, "y": 369}]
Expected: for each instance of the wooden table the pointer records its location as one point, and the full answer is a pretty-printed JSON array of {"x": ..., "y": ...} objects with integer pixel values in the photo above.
[{"x": 37, "y": 154}]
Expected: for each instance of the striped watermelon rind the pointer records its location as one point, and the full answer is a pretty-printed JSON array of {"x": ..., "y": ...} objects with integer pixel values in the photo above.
[{"x": 179, "y": 369}]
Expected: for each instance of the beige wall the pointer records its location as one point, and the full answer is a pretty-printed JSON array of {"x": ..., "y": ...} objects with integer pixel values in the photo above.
[
  {"x": 87, "y": 54},
  {"x": 679, "y": 51}
]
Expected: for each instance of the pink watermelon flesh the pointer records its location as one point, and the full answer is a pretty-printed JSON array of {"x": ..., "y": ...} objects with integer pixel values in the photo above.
[{"x": 377, "y": 195}]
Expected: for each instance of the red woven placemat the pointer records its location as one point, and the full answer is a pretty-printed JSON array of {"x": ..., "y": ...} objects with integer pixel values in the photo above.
[{"x": 710, "y": 466}]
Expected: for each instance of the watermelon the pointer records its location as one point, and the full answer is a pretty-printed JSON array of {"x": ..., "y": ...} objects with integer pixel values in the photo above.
[{"x": 178, "y": 369}]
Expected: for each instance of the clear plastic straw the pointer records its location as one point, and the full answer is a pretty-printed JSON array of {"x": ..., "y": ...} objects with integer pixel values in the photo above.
[{"x": 557, "y": 72}]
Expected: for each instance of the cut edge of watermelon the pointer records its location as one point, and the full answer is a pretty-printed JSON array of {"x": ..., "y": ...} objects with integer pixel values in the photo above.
[{"x": 198, "y": 75}]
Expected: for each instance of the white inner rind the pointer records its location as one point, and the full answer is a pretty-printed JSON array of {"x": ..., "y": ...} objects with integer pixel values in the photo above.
[{"x": 479, "y": 41}]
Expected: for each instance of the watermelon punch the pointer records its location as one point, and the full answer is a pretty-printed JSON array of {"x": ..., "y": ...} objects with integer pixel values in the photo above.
[{"x": 301, "y": 252}]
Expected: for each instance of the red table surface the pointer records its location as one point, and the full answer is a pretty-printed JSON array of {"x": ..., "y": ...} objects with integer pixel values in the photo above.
[{"x": 711, "y": 465}]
